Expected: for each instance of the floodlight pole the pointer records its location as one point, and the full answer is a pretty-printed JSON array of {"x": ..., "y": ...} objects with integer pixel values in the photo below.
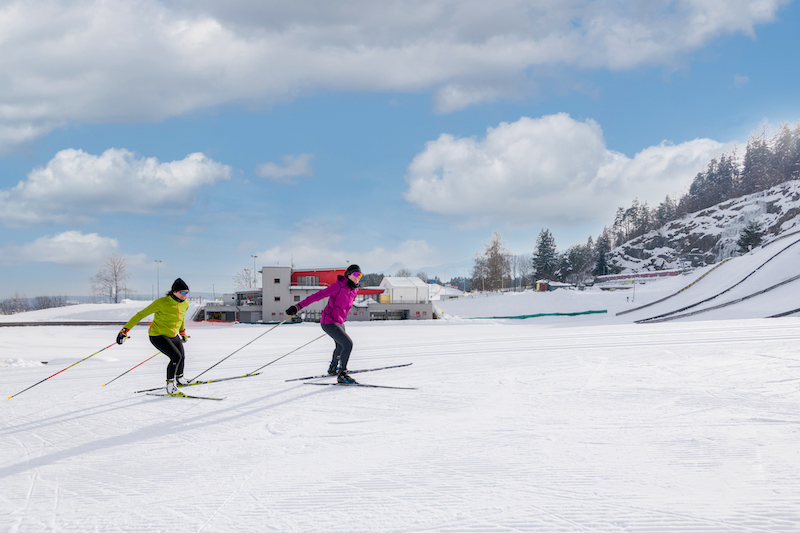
[{"x": 158, "y": 277}]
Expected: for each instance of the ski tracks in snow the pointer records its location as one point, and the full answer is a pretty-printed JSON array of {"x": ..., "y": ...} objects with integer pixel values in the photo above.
[{"x": 629, "y": 429}]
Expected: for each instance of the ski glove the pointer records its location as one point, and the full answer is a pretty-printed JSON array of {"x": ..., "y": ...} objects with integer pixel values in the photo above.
[
  {"x": 292, "y": 311},
  {"x": 122, "y": 335},
  {"x": 184, "y": 336}
]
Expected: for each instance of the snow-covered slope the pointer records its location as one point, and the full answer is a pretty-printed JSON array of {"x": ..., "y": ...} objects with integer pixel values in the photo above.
[
  {"x": 761, "y": 269},
  {"x": 713, "y": 232}
]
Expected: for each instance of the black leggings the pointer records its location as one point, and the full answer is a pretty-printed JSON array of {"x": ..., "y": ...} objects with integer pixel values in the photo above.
[
  {"x": 344, "y": 345},
  {"x": 172, "y": 348}
]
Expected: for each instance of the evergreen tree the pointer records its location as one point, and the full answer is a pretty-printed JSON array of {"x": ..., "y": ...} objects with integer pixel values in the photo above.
[
  {"x": 750, "y": 237},
  {"x": 602, "y": 247},
  {"x": 666, "y": 211},
  {"x": 756, "y": 168},
  {"x": 545, "y": 260}
]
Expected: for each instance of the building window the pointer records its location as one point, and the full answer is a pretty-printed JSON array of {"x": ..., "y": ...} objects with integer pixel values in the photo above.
[
  {"x": 296, "y": 298},
  {"x": 277, "y": 281},
  {"x": 277, "y": 298}
]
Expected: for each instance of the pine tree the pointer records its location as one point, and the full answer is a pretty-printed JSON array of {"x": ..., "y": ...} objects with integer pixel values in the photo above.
[
  {"x": 757, "y": 162},
  {"x": 545, "y": 261},
  {"x": 602, "y": 247},
  {"x": 750, "y": 237}
]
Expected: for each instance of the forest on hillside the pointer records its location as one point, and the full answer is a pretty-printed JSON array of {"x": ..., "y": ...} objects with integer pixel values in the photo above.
[{"x": 770, "y": 158}]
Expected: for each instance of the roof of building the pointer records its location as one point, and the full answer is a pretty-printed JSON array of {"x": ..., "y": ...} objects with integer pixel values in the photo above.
[{"x": 403, "y": 282}]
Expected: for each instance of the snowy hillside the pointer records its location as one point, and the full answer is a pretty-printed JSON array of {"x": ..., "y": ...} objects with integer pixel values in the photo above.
[
  {"x": 713, "y": 232},
  {"x": 716, "y": 290}
]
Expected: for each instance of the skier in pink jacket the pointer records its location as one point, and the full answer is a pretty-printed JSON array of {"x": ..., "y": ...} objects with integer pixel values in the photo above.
[{"x": 341, "y": 296}]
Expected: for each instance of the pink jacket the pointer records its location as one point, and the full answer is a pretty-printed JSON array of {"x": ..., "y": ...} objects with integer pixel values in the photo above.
[{"x": 340, "y": 300}]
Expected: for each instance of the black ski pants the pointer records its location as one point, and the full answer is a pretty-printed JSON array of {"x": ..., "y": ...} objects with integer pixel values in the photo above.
[
  {"x": 172, "y": 348},
  {"x": 344, "y": 344}
]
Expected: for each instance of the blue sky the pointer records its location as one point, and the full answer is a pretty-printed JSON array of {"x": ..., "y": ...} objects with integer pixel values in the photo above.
[{"x": 202, "y": 133}]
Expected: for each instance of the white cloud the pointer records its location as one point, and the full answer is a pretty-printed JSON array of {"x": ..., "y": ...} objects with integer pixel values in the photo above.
[
  {"x": 312, "y": 244},
  {"x": 293, "y": 166},
  {"x": 69, "y": 248},
  {"x": 740, "y": 80},
  {"x": 549, "y": 170},
  {"x": 150, "y": 60},
  {"x": 75, "y": 186}
]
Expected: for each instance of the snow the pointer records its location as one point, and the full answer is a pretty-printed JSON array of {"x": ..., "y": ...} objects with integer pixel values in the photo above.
[
  {"x": 556, "y": 423},
  {"x": 775, "y": 210}
]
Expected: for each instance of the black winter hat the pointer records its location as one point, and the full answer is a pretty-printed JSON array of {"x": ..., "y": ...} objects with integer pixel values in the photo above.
[
  {"x": 179, "y": 285},
  {"x": 351, "y": 269}
]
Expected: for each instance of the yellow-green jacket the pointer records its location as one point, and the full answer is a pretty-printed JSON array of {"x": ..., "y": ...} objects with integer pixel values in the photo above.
[{"x": 168, "y": 319}]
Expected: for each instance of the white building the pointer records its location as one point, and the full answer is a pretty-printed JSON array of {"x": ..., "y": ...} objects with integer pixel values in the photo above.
[{"x": 406, "y": 290}]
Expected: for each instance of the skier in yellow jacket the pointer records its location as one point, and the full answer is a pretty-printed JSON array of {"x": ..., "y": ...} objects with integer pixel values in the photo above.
[{"x": 167, "y": 330}]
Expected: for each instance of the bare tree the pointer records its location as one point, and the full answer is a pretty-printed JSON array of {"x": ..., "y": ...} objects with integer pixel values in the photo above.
[
  {"x": 110, "y": 280},
  {"x": 479, "y": 270},
  {"x": 17, "y": 304},
  {"x": 492, "y": 265},
  {"x": 525, "y": 267},
  {"x": 512, "y": 261},
  {"x": 404, "y": 273},
  {"x": 243, "y": 279}
]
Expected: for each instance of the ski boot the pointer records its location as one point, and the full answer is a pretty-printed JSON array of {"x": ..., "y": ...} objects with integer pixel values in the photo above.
[
  {"x": 345, "y": 379},
  {"x": 172, "y": 389}
]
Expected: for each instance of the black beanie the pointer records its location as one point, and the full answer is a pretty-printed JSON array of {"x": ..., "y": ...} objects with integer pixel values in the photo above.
[
  {"x": 179, "y": 285},
  {"x": 351, "y": 269}
]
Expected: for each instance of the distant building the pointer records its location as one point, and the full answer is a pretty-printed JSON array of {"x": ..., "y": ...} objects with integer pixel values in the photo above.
[{"x": 395, "y": 299}]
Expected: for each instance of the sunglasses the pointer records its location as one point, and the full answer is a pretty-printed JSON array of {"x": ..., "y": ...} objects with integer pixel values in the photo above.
[
  {"x": 184, "y": 293},
  {"x": 357, "y": 275}
]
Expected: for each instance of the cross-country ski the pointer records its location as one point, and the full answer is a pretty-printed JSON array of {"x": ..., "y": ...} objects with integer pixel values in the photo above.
[
  {"x": 326, "y": 375},
  {"x": 362, "y": 385},
  {"x": 181, "y": 395},
  {"x": 206, "y": 382}
]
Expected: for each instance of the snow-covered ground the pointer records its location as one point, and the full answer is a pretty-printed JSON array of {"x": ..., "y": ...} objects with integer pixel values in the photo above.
[{"x": 560, "y": 423}]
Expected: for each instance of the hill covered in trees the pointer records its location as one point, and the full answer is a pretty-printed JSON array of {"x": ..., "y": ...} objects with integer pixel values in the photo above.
[{"x": 758, "y": 191}]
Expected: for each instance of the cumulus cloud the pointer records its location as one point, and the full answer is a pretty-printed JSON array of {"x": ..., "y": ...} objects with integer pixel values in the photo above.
[
  {"x": 554, "y": 168},
  {"x": 313, "y": 244},
  {"x": 293, "y": 166},
  {"x": 150, "y": 60},
  {"x": 75, "y": 186},
  {"x": 69, "y": 248}
]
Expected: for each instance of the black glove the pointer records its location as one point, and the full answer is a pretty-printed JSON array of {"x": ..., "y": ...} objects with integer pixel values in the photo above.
[
  {"x": 292, "y": 311},
  {"x": 122, "y": 335}
]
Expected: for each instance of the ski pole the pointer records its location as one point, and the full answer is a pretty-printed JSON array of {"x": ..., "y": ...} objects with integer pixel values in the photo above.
[
  {"x": 249, "y": 343},
  {"x": 140, "y": 364},
  {"x": 60, "y": 371},
  {"x": 281, "y": 357}
]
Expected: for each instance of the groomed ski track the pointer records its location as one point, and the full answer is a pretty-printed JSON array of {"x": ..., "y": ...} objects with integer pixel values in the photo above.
[
  {"x": 747, "y": 277},
  {"x": 622, "y": 428}
]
